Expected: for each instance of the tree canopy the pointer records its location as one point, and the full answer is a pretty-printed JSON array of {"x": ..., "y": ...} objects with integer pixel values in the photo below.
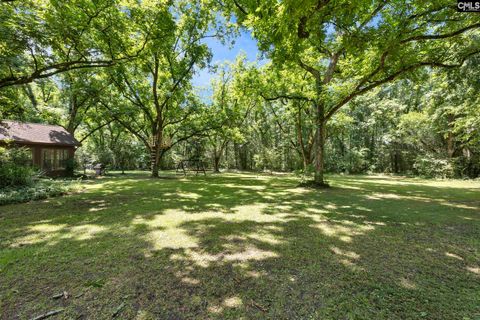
[{"x": 344, "y": 86}]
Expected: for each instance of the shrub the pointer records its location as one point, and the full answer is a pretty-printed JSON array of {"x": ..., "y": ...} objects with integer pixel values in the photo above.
[
  {"x": 266, "y": 160},
  {"x": 70, "y": 167},
  {"x": 42, "y": 189},
  {"x": 430, "y": 167},
  {"x": 467, "y": 167},
  {"x": 355, "y": 160},
  {"x": 15, "y": 167}
]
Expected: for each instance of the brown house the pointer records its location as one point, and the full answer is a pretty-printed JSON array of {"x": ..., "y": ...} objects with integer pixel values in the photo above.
[{"x": 51, "y": 146}]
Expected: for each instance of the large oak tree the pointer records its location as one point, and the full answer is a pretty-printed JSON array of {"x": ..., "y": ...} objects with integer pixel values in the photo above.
[{"x": 349, "y": 48}]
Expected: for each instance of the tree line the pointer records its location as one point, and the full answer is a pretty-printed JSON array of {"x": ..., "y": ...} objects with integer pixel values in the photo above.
[{"x": 370, "y": 86}]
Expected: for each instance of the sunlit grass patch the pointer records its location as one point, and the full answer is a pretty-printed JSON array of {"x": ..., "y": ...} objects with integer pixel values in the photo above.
[{"x": 245, "y": 246}]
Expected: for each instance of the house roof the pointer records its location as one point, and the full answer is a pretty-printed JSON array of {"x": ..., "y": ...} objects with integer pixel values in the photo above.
[{"x": 36, "y": 133}]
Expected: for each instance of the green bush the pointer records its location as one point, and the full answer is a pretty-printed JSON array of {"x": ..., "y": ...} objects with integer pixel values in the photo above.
[
  {"x": 70, "y": 167},
  {"x": 15, "y": 167},
  {"x": 430, "y": 167},
  {"x": 266, "y": 160},
  {"x": 354, "y": 160},
  {"x": 42, "y": 189},
  {"x": 467, "y": 167}
]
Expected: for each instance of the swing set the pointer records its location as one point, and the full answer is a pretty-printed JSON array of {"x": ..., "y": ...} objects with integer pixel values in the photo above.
[{"x": 193, "y": 163}]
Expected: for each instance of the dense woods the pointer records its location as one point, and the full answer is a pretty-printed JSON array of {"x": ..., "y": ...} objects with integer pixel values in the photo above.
[{"x": 374, "y": 86}]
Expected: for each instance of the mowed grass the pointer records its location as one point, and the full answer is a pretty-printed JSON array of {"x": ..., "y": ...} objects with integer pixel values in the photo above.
[{"x": 234, "y": 246}]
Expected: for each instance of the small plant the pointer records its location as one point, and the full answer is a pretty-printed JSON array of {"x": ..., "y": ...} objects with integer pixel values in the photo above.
[{"x": 42, "y": 189}]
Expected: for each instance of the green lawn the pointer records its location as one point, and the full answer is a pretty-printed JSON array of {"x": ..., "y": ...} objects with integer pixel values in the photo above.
[{"x": 245, "y": 246}]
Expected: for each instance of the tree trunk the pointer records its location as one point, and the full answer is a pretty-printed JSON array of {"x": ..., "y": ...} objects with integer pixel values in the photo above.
[
  {"x": 320, "y": 145},
  {"x": 305, "y": 155},
  {"x": 226, "y": 156},
  {"x": 396, "y": 159},
  {"x": 217, "y": 155},
  {"x": 156, "y": 153},
  {"x": 450, "y": 137},
  {"x": 236, "y": 155},
  {"x": 450, "y": 143},
  {"x": 319, "y": 155},
  {"x": 155, "y": 163},
  {"x": 216, "y": 164}
]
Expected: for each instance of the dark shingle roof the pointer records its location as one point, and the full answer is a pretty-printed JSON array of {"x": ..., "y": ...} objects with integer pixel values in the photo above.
[{"x": 36, "y": 133}]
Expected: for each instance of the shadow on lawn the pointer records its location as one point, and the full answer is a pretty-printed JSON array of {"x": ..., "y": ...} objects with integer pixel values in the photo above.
[{"x": 236, "y": 246}]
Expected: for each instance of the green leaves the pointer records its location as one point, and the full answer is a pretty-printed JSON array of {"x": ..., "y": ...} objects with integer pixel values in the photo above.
[
  {"x": 42, "y": 38},
  {"x": 376, "y": 41}
]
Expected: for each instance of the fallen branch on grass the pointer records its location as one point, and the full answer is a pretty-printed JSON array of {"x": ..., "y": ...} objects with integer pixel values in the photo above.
[
  {"x": 262, "y": 308},
  {"x": 64, "y": 294},
  {"x": 117, "y": 311},
  {"x": 48, "y": 314}
]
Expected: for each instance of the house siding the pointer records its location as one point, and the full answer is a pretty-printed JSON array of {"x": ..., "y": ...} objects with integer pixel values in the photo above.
[{"x": 37, "y": 159}]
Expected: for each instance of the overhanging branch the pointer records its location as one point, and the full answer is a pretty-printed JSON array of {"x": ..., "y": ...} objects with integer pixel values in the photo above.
[
  {"x": 359, "y": 90},
  {"x": 284, "y": 96},
  {"x": 239, "y": 7},
  {"x": 60, "y": 67},
  {"x": 441, "y": 36}
]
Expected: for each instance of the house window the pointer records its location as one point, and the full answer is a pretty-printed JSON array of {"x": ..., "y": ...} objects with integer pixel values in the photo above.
[
  {"x": 62, "y": 157},
  {"x": 48, "y": 156},
  {"x": 54, "y": 159}
]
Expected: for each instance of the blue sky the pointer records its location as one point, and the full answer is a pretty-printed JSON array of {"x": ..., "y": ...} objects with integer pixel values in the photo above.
[{"x": 221, "y": 53}]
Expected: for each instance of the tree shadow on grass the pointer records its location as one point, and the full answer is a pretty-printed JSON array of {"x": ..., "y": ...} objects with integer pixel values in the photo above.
[{"x": 237, "y": 246}]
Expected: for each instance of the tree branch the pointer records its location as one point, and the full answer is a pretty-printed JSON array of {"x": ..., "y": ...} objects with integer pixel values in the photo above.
[
  {"x": 311, "y": 70},
  {"x": 95, "y": 130},
  {"x": 239, "y": 7},
  {"x": 441, "y": 36},
  {"x": 127, "y": 126},
  {"x": 359, "y": 90},
  {"x": 60, "y": 67},
  {"x": 284, "y": 96}
]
